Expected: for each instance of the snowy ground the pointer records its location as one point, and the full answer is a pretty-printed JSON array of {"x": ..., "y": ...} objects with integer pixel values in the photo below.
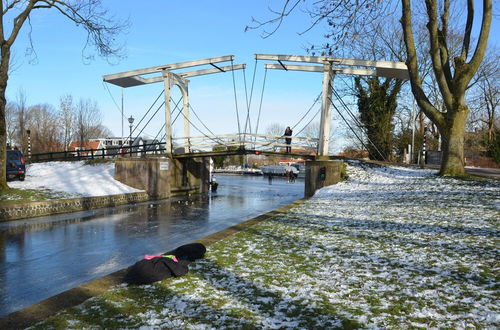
[
  {"x": 390, "y": 247},
  {"x": 73, "y": 178}
]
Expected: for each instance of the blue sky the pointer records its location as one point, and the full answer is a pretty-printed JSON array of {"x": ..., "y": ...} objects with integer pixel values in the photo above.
[{"x": 165, "y": 32}]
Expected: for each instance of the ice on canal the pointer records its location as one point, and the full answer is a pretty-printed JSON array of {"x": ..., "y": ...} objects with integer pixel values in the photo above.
[{"x": 48, "y": 255}]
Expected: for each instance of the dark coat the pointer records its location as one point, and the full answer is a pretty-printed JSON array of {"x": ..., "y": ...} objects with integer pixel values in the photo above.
[
  {"x": 190, "y": 252},
  {"x": 288, "y": 132},
  {"x": 156, "y": 269}
]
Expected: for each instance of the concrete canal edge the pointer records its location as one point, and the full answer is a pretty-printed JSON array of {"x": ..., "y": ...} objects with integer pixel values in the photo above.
[
  {"x": 13, "y": 211},
  {"x": 38, "y": 312}
]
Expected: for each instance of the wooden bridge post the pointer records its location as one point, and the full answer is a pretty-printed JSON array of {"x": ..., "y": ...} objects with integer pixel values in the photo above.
[
  {"x": 326, "y": 112},
  {"x": 185, "y": 111},
  {"x": 170, "y": 79},
  {"x": 168, "y": 116}
]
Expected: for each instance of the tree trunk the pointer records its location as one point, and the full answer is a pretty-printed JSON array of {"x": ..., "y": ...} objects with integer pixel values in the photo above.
[
  {"x": 4, "y": 67},
  {"x": 453, "y": 143}
]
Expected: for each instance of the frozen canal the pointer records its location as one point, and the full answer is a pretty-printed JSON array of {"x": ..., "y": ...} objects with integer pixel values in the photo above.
[{"x": 42, "y": 257}]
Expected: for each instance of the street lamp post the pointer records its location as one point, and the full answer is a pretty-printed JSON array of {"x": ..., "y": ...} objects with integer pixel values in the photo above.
[{"x": 130, "y": 121}]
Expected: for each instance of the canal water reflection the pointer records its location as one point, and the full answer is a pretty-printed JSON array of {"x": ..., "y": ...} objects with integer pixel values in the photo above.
[{"x": 42, "y": 257}]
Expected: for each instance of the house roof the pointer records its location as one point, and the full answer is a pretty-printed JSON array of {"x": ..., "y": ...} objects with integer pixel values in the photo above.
[{"x": 85, "y": 145}]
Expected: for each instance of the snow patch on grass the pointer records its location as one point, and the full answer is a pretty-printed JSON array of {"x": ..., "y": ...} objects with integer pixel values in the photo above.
[{"x": 390, "y": 247}]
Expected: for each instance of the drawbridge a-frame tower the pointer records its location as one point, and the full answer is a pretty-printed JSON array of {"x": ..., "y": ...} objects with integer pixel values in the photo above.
[
  {"x": 165, "y": 74},
  {"x": 330, "y": 66}
]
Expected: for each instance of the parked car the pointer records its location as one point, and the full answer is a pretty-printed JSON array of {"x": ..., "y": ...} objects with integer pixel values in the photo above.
[{"x": 15, "y": 165}]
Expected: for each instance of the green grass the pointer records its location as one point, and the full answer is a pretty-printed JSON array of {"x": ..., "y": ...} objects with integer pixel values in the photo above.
[
  {"x": 12, "y": 195},
  {"x": 393, "y": 263}
]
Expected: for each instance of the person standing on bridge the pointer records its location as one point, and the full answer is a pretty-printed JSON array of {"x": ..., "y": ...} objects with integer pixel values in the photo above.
[{"x": 288, "y": 140}]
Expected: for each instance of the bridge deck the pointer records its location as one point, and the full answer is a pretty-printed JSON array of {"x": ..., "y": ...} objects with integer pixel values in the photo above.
[{"x": 240, "y": 152}]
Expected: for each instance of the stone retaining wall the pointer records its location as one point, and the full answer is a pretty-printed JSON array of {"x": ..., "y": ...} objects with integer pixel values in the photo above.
[{"x": 12, "y": 211}]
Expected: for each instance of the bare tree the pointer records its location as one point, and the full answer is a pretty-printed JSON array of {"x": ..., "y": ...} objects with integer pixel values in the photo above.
[
  {"x": 66, "y": 118},
  {"x": 275, "y": 129},
  {"x": 100, "y": 131},
  {"x": 11, "y": 122},
  {"x": 87, "y": 121},
  {"x": 486, "y": 95},
  {"x": 452, "y": 79},
  {"x": 22, "y": 120},
  {"x": 89, "y": 14},
  {"x": 45, "y": 131},
  {"x": 347, "y": 20}
]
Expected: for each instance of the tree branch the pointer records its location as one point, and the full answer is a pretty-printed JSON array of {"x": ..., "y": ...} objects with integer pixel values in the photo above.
[
  {"x": 9, "y": 7},
  {"x": 443, "y": 44},
  {"x": 100, "y": 32},
  {"x": 1, "y": 26},
  {"x": 280, "y": 16},
  {"x": 480, "y": 50},
  {"x": 468, "y": 30},
  {"x": 415, "y": 81},
  {"x": 19, "y": 22},
  {"x": 437, "y": 65}
]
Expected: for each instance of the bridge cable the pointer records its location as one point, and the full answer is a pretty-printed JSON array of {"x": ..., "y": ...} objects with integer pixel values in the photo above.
[
  {"x": 161, "y": 105},
  {"x": 194, "y": 112},
  {"x": 205, "y": 135},
  {"x": 347, "y": 123},
  {"x": 152, "y": 105},
  {"x": 157, "y": 134},
  {"x": 352, "y": 130},
  {"x": 145, "y": 125},
  {"x": 113, "y": 99},
  {"x": 312, "y": 118},
  {"x": 163, "y": 126},
  {"x": 359, "y": 124},
  {"x": 247, "y": 105},
  {"x": 236, "y": 102},
  {"x": 173, "y": 121},
  {"x": 261, "y": 98},
  {"x": 249, "y": 101},
  {"x": 310, "y": 108},
  {"x": 201, "y": 122},
  {"x": 196, "y": 115}
]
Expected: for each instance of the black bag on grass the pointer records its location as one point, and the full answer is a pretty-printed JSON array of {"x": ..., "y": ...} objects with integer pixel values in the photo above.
[
  {"x": 159, "y": 267},
  {"x": 155, "y": 269},
  {"x": 190, "y": 252}
]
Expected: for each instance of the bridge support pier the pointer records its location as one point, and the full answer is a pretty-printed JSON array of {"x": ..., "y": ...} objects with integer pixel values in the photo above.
[
  {"x": 163, "y": 177},
  {"x": 322, "y": 173}
]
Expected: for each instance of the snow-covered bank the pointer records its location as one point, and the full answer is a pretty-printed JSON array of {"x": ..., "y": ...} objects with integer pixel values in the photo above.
[
  {"x": 73, "y": 178},
  {"x": 388, "y": 248}
]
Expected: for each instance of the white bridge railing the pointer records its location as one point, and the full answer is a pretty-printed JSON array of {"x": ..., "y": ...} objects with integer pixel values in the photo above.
[{"x": 263, "y": 142}]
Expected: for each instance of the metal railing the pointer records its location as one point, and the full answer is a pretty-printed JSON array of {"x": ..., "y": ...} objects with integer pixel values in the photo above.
[
  {"x": 262, "y": 142},
  {"x": 193, "y": 144},
  {"x": 102, "y": 153}
]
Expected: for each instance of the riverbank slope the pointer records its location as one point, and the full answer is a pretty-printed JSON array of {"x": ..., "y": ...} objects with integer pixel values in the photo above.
[{"x": 389, "y": 247}]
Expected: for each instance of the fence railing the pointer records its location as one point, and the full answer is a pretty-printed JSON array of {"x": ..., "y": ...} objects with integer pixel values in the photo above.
[
  {"x": 102, "y": 153},
  {"x": 262, "y": 142}
]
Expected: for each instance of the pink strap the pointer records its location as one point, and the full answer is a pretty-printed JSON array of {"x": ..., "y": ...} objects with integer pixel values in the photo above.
[{"x": 150, "y": 256}]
